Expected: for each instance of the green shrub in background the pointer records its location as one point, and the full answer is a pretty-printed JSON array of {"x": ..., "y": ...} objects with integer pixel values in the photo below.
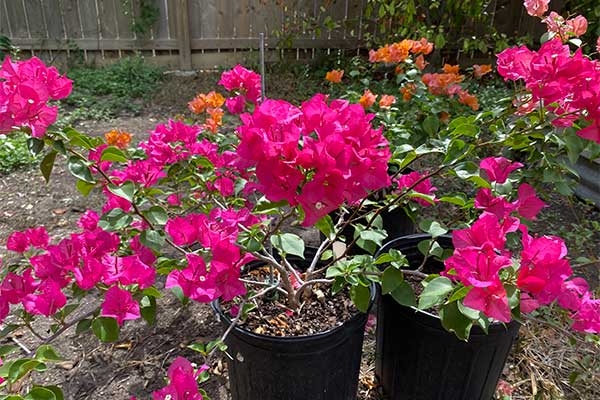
[
  {"x": 14, "y": 153},
  {"x": 103, "y": 93}
]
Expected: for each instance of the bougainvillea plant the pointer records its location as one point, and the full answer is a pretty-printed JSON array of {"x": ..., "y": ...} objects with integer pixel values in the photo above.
[{"x": 196, "y": 204}]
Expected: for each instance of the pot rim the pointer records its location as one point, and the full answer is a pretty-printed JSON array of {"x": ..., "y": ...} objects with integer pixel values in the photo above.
[
  {"x": 216, "y": 306},
  {"x": 424, "y": 236}
]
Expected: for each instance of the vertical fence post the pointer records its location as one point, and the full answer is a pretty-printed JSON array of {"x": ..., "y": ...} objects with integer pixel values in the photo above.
[{"x": 183, "y": 36}]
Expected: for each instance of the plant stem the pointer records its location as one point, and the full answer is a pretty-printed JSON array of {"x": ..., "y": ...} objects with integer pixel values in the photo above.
[{"x": 62, "y": 329}]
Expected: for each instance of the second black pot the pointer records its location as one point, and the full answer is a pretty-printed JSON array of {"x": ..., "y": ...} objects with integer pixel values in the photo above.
[{"x": 417, "y": 359}]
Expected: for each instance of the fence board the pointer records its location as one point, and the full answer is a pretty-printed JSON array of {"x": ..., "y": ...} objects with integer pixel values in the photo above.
[
  {"x": 89, "y": 19},
  {"x": 172, "y": 15},
  {"x": 71, "y": 19},
  {"x": 162, "y": 31},
  {"x": 241, "y": 27},
  {"x": 35, "y": 16},
  {"x": 108, "y": 19},
  {"x": 4, "y": 24},
  {"x": 123, "y": 20},
  {"x": 16, "y": 18},
  {"x": 225, "y": 18},
  {"x": 54, "y": 20}
]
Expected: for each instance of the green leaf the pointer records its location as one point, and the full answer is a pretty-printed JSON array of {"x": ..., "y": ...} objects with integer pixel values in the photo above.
[
  {"x": 326, "y": 226},
  {"x": 431, "y": 125},
  {"x": 469, "y": 130},
  {"x": 22, "y": 367},
  {"x": 435, "y": 292},
  {"x": 35, "y": 145},
  {"x": 79, "y": 169},
  {"x": 47, "y": 353},
  {"x": 454, "y": 321},
  {"x": 7, "y": 349},
  {"x": 459, "y": 294},
  {"x": 148, "y": 309},
  {"x": 456, "y": 151},
  {"x": 84, "y": 187},
  {"x": 391, "y": 279},
  {"x": 373, "y": 235},
  {"x": 157, "y": 215},
  {"x": 83, "y": 326},
  {"x": 152, "y": 239},
  {"x": 114, "y": 220},
  {"x": 152, "y": 292},
  {"x": 434, "y": 228},
  {"x": 457, "y": 200},
  {"x": 361, "y": 297},
  {"x": 47, "y": 164},
  {"x": 112, "y": 153},
  {"x": 8, "y": 329},
  {"x": 126, "y": 190},
  {"x": 404, "y": 294},
  {"x": 424, "y": 246},
  {"x": 58, "y": 394},
  {"x": 40, "y": 393},
  {"x": 269, "y": 207},
  {"x": 288, "y": 243},
  {"x": 106, "y": 329}
]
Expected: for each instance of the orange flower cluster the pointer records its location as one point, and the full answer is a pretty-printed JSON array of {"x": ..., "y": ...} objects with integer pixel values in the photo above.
[
  {"x": 468, "y": 99},
  {"x": 210, "y": 103},
  {"x": 447, "y": 84},
  {"x": 386, "y": 101},
  {"x": 481, "y": 70},
  {"x": 216, "y": 119},
  {"x": 400, "y": 51},
  {"x": 335, "y": 75},
  {"x": 440, "y": 83},
  {"x": 367, "y": 99},
  {"x": 407, "y": 91},
  {"x": 203, "y": 102},
  {"x": 117, "y": 138}
]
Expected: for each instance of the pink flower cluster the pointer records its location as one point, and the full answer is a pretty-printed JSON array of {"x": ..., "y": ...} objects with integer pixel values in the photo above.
[
  {"x": 566, "y": 84},
  {"x": 543, "y": 275},
  {"x": 423, "y": 187},
  {"x": 183, "y": 384},
  {"x": 318, "y": 155},
  {"x": 565, "y": 29},
  {"x": 168, "y": 144},
  {"x": 87, "y": 258},
  {"x": 245, "y": 83},
  {"x": 218, "y": 232},
  {"x": 25, "y": 89},
  {"x": 536, "y": 8}
]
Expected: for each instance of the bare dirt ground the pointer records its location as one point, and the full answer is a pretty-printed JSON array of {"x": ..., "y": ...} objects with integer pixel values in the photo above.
[{"x": 136, "y": 364}]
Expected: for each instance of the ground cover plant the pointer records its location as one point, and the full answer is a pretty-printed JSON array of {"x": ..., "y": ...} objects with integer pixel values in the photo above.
[{"x": 242, "y": 189}]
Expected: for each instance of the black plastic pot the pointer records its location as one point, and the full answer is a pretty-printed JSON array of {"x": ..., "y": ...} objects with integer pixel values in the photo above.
[
  {"x": 324, "y": 366},
  {"x": 417, "y": 359}
]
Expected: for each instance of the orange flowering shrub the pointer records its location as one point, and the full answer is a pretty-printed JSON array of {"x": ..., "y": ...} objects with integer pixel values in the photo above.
[
  {"x": 202, "y": 102},
  {"x": 117, "y": 138},
  {"x": 335, "y": 75}
]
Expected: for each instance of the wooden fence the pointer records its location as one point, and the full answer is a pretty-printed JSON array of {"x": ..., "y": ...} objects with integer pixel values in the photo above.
[
  {"x": 103, "y": 28},
  {"x": 199, "y": 33}
]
